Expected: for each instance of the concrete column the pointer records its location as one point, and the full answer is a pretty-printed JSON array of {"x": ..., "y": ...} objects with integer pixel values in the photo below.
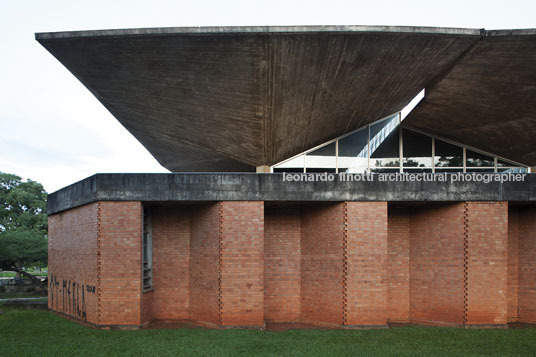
[{"x": 263, "y": 169}]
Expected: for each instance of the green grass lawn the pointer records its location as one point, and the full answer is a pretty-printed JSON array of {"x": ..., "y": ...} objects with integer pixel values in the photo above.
[{"x": 41, "y": 333}]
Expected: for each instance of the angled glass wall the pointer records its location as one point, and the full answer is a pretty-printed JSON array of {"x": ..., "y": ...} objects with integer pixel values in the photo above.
[{"x": 385, "y": 147}]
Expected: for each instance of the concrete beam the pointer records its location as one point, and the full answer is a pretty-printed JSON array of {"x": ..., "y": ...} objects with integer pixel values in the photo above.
[{"x": 192, "y": 187}]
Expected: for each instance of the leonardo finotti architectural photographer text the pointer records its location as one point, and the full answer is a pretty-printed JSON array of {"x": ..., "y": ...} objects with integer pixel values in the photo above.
[{"x": 405, "y": 177}]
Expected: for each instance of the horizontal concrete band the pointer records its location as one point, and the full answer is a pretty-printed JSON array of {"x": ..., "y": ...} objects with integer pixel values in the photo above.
[
  {"x": 273, "y": 187},
  {"x": 282, "y": 29}
]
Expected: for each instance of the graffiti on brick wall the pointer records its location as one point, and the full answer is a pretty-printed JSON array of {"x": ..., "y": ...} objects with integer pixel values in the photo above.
[{"x": 73, "y": 296}]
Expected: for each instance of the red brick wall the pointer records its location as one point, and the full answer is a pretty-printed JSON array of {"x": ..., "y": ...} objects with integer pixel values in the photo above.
[
  {"x": 437, "y": 264},
  {"x": 366, "y": 263},
  {"x": 204, "y": 264},
  {"x": 147, "y": 307},
  {"x": 72, "y": 262},
  {"x": 282, "y": 264},
  {"x": 487, "y": 253},
  {"x": 398, "y": 265},
  {"x": 322, "y": 264},
  {"x": 171, "y": 262},
  {"x": 527, "y": 265},
  {"x": 120, "y": 263},
  {"x": 242, "y": 263},
  {"x": 353, "y": 263},
  {"x": 513, "y": 265}
]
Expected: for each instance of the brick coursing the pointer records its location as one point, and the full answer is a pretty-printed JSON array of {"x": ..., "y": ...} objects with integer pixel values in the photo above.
[
  {"x": 366, "y": 273},
  {"x": 398, "y": 265},
  {"x": 487, "y": 265},
  {"x": 527, "y": 265},
  {"x": 73, "y": 263},
  {"x": 437, "y": 264},
  {"x": 282, "y": 268},
  {"x": 340, "y": 264}
]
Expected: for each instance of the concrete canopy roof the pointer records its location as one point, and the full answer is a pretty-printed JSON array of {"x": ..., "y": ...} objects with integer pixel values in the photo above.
[
  {"x": 488, "y": 99},
  {"x": 232, "y": 98}
]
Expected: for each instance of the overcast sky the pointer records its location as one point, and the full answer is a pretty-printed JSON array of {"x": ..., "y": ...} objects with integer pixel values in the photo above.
[{"x": 54, "y": 131}]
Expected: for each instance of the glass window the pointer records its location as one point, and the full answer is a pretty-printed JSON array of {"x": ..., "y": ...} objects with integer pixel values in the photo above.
[
  {"x": 479, "y": 169},
  {"x": 292, "y": 165},
  {"x": 447, "y": 170},
  {"x": 384, "y": 144},
  {"x": 412, "y": 170},
  {"x": 384, "y": 171},
  {"x": 417, "y": 149},
  {"x": 322, "y": 159},
  {"x": 504, "y": 163},
  {"x": 512, "y": 170},
  {"x": 147, "y": 249},
  {"x": 475, "y": 159},
  {"x": 448, "y": 155},
  {"x": 353, "y": 152}
]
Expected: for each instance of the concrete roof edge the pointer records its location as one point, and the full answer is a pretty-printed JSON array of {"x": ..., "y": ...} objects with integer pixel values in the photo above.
[
  {"x": 256, "y": 30},
  {"x": 511, "y": 32}
]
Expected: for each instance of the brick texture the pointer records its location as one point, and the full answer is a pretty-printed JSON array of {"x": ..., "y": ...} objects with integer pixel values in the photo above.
[
  {"x": 171, "y": 262},
  {"x": 366, "y": 263},
  {"x": 487, "y": 253},
  {"x": 322, "y": 275},
  {"x": 398, "y": 265},
  {"x": 513, "y": 265},
  {"x": 282, "y": 235},
  {"x": 242, "y": 263},
  {"x": 237, "y": 263},
  {"x": 72, "y": 262},
  {"x": 437, "y": 264},
  {"x": 527, "y": 265},
  {"x": 205, "y": 264},
  {"x": 119, "y": 287}
]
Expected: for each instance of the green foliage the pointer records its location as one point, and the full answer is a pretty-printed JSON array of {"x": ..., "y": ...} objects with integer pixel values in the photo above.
[
  {"x": 22, "y": 204},
  {"x": 23, "y": 223},
  {"x": 22, "y": 247},
  {"x": 52, "y": 335}
]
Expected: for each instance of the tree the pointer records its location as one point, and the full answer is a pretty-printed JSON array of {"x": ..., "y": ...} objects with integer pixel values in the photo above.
[{"x": 23, "y": 225}]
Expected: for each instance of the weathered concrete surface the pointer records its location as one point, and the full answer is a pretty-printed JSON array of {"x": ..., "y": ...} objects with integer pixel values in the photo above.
[
  {"x": 271, "y": 187},
  {"x": 487, "y": 100},
  {"x": 233, "y": 98}
]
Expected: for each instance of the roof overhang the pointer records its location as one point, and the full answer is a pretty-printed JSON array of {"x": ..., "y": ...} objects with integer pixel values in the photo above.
[{"x": 232, "y": 98}]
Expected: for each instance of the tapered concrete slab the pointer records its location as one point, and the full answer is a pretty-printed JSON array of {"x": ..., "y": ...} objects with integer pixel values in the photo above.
[
  {"x": 488, "y": 99},
  {"x": 232, "y": 98}
]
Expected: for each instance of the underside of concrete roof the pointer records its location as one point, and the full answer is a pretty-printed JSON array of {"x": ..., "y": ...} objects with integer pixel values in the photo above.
[{"x": 233, "y": 98}]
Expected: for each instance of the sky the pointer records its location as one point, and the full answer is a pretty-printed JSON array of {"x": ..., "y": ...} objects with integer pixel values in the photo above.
[{"x": 52, "y": 129}]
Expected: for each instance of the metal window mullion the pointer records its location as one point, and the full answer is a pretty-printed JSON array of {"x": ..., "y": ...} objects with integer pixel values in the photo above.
[
  {"x": 368, "y": 149},
  {"x": 401, "y": 149},
  {"x": 433, "y": 155},
  {"x": 464, "y": 159},
  {"x": 336, "y": 156}
]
